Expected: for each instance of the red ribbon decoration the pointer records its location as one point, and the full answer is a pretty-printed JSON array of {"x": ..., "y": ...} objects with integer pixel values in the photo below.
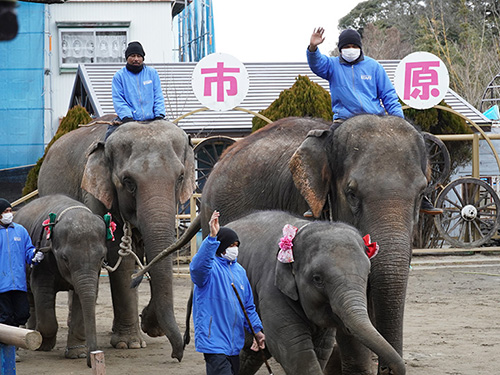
[
  {"x": 371, "y": 247},
  {"x": 47, "y": 228}
]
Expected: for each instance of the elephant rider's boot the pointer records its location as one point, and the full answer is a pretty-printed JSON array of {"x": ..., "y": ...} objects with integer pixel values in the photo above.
[{"x": 426, "y": 207}]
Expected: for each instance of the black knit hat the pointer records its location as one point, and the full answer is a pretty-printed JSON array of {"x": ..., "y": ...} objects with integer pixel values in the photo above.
[
  {"x": 134, "y": 47},
  {"x": 4, "y": 204},
  {"x": 349, "y": 36},
  {"x": 226, "y": 237}
]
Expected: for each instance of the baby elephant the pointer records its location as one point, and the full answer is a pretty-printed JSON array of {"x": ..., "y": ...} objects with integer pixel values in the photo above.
[
  {"x": 309, "y": 280},
  {"x": 77, "y": 250}
]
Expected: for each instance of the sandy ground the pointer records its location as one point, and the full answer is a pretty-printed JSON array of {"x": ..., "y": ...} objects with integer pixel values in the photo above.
[{"x": 452, "y": 326}]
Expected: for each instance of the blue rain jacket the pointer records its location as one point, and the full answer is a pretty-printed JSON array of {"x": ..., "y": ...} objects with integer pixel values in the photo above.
[
  {"x": 219, "y": 321},
  {"x": 356, "y": 88},
  {"x": 138, "y": 96},
  {"x": 16, "y": 250}
]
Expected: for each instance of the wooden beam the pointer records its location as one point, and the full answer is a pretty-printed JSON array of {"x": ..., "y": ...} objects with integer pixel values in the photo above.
[
  {"x": 20, "y": 337},
  {"x": 452, "y": 250}
]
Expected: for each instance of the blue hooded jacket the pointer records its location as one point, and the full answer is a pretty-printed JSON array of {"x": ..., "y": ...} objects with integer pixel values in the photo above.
[
  {"x": 138, "y": 96},
  {"x": 16, "y": 250},
  {"x": 356, "y": 88},
  {"x": 219, "y": 321}
]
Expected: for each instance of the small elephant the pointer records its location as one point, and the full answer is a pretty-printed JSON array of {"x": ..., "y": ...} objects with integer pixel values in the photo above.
[
  {"x": 304, "y": 302},
  {"x": 77, "y": 250}
]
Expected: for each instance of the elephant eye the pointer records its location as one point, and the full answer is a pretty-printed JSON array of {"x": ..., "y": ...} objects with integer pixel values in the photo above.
[
  {"x": 318, "y": 281},
  {"x": 180, "y": 180},
  {"x": 130, "y": 185}
]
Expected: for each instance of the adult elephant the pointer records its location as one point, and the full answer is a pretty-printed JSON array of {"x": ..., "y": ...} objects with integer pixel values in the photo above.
[
  {"x": 370, "y": 172},
  {"x": 77, "y": 250},
  {"x": 303, "y": 302},
  {"x": 139, "y": 174}
]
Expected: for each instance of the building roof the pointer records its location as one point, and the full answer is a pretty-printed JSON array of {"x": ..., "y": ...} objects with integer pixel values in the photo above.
[{"x": 92, "y": 89}]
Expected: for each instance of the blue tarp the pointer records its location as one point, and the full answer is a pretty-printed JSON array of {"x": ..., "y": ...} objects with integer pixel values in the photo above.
[{"x": 21, "y": 90}]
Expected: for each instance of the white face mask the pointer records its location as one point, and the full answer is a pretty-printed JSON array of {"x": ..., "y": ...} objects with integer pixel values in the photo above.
[
  {"x": 350, "y": 54},
  {"x": 231, "y": 253},
  {"x": 7, "y": 218}
]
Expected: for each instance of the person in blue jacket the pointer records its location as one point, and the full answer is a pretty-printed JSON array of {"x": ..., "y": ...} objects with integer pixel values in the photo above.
[
  {"x": 358, "y": 85},
  {"x": 219, "y": 321},
  {"x": 357, "y": 82},
  {"x": 16, "y": 250},
  {"x": 136, "y": 90}
]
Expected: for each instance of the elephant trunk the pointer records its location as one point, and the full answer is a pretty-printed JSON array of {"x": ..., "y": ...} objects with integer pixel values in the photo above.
[
  {"x": 388, "y": 278},
  {"x": 157, "y": 218},
  {"x": 86, "y": 286},
  {"x": 354, "y": 314}
]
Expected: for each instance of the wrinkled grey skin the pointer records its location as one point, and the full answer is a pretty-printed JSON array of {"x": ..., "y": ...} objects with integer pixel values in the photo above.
[
  {"x": 78, "y": 248},
  {"x": 140, "y": 174},
  {"x": 301, "y": 304},
  {"x": 373, "y": 168}
]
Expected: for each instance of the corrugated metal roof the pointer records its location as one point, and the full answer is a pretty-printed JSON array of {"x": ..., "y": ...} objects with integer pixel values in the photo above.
[{"x": 267, "y": 81}]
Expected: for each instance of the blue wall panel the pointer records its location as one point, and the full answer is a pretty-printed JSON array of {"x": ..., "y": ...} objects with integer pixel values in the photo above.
[{"x": 21, "y": 90}]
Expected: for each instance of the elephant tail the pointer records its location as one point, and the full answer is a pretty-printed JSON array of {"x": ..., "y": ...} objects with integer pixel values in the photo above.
[{"x": 185, "y": 238}]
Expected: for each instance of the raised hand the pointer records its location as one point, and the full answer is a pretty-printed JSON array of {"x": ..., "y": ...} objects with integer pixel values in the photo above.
[
  {"x": 316, "y": 38},
  {"x": 214, "y": 224}
]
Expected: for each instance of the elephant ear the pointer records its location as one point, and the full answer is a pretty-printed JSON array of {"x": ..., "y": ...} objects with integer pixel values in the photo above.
[
  {"x": 310, "y": 170},
  {"x": 189, "y": 183},
  {"x": 284, "y": 280},
  {"x": 97, "y": 175}
]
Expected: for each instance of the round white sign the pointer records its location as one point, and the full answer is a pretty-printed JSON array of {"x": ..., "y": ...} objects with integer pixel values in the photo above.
[
  {"x": 220, "y": 81},
  {"x": 421, "y": 80}
]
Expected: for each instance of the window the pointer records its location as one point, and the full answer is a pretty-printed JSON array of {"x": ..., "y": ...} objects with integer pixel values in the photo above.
[{"x": 78, "y": 45}]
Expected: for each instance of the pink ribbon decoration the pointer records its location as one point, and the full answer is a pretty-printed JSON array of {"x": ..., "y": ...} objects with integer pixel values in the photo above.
[
  {"x": 285, "y": 255},
  {"x": 371, "y": 247}
]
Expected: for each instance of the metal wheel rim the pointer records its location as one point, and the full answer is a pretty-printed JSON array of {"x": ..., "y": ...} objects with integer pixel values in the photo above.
[{"x": 457, "y": 200}]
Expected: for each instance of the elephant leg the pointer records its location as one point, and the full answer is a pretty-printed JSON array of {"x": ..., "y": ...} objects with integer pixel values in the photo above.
[
  {"x": 31, "y": 323},
  {"x": 75, "y": 347},
  {"x": 355, "y": 357},
  {"x": 126, "y": 331},
  {"x": 46, "y": 321},
  {"x": 323, "y": 341},
  {"x": 288, "y": 337}
]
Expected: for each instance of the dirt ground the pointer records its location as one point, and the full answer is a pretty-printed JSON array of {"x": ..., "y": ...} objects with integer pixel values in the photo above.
[{"x": 452, "y": 326}]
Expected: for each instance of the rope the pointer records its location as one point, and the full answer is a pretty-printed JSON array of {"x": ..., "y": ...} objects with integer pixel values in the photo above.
[
  {"x": 71, "y": 208},
  {"x": 125, "y": 249}
]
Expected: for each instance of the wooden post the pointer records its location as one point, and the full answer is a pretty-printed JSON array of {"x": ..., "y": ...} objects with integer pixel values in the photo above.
[
  {"x": 97, "y": 361},
  {"x": 20, "y": 337}
]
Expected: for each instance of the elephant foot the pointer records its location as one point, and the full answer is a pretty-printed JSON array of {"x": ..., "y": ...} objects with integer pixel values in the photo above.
[
  {"x": 48, "y": 344},
  {"x": 123, "y": 341},
  {"x": 149, "y": 323},
  {"x": 75, "y": 352}
]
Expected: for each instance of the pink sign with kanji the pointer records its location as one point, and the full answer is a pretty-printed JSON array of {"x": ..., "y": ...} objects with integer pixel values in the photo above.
[
  {"x": 220, "y": 81},
  {"x": 421, "y": 80}
]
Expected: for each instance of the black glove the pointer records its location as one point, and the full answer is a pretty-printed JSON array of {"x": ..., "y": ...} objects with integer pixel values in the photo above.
[
  {"x": 127, "y": 119},
  {"x": 160, "y": 117}
]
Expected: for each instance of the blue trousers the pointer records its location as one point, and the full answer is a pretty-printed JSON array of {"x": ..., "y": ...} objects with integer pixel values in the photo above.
[
  {"x": 14, "y": 308},
  {"x": 221, "y": 364}
]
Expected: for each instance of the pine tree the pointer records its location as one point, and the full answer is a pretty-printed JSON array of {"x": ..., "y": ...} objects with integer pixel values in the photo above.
[
  {"x": 75, "y": 116},
  {"x": 304, "y": 99}
]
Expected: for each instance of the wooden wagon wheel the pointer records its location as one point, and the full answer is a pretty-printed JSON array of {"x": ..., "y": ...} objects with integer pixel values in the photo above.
[
  {"x": 206, "y": 154},
  {"x": 471, "y": 212},
  {"x": 439, "y": 160}
]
